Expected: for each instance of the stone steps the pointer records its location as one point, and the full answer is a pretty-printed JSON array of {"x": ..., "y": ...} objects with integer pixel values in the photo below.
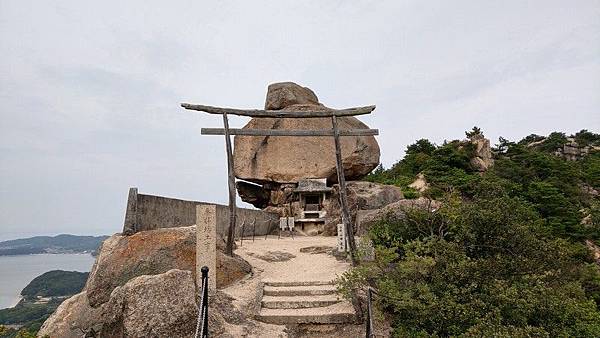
[
  {"x": 298, "y": 302},
  {"x": 299, "y": 290},
  {"x": 303, "y": 302}
]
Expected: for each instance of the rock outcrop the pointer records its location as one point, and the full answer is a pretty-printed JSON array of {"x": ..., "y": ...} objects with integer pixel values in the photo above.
[
  {"x": 482, "y": 157},
  {"x": 420, "y": 183},
  {"x": 160, "y": 305},
  {"x": 143, "y": 286},
  {"x": 263, "y": 159},
  {"x": 392, "y": 212},
  {"x": 362, "y": 195},
  {"x": 572, "y": 151},
  {"x": 72, "y": 319},
  {"x": 152, "y": 306},
  {"x": 153, "y": 252}
]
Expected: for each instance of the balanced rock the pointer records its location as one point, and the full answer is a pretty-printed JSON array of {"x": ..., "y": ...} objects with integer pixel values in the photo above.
[
  {"x": 284, "y": 94},
  {"x": 262, "y": 159}
]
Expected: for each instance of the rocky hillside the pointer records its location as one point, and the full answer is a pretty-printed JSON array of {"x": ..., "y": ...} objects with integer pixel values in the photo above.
[
  {"x": 558, "y": 175},
  {"x": 502, "y": 250}
]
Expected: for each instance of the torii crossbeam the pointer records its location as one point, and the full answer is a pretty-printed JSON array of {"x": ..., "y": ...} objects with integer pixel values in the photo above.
[{"x": 256, "y": 113}]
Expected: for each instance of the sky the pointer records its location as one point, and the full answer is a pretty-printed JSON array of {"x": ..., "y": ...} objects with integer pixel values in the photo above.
[{"x": 90, "y": 90}]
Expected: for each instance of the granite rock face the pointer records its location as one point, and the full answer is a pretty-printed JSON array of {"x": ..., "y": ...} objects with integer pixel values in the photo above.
[
  {"x": 482, "y": 157},
  {"x": 153, "y": 252},
  {"x": 263, "y": 159},
  {"x": 284, "y": 94},
  {"x": 72, "y": 319},
  {"x": 362, "y": 195},
  {"x": 393, "y": 212},
  {"x": 152, "y": 306}
]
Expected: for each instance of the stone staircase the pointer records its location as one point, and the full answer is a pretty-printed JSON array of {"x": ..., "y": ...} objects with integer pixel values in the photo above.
[{"x": 303, "y": 302}]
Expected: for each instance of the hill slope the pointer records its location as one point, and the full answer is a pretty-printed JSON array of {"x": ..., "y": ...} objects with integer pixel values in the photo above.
[{"x": 504, "y": 254}]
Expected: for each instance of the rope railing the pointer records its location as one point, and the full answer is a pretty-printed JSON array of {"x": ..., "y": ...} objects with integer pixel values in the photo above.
[{"x": 202, "y": 323}]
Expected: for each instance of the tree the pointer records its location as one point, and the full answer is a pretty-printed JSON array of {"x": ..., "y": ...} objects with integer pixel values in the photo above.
[{"x": 476, "y": 131}]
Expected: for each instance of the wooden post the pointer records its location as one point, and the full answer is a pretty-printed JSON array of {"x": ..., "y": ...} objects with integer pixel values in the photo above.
[
  {"x": 232, "y": 194},
  {"x": 343, "y": 200}
]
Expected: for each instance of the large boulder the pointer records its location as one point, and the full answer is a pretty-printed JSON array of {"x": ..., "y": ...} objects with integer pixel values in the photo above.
[
  {"x": 123, "y": 258},
  {"x": 73, "y": 318},
  {"x": 396, "y": 211},
  {"x": 361, "y": 195},
  {"x": 262, "y": 159},
  {"x": 152, "y": 306},
  {"x": 253, "y": 194}
]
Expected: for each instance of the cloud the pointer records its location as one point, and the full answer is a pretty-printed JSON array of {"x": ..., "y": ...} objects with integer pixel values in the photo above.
[{"x": 90, "y": 93}]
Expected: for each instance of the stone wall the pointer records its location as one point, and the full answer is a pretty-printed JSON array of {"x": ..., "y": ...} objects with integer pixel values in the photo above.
[{"x": 150, "y": 212}]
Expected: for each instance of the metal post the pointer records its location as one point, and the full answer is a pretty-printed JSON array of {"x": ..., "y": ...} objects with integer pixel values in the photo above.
[
  {"x": 369, "y": 328},
  {"x": 343, "y": 200},
  {"x": 205, "y": 305},
  {"x": 242, "y": 235},
  {"x": 232, "y": 194},
  {"x": 202, "y": 324}
]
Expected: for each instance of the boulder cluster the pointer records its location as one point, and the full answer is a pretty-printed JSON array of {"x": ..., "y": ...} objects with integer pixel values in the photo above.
[{"x": 142, "y": 285}]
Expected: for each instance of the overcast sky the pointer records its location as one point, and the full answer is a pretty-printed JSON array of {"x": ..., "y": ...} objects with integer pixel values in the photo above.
[{"x": 90, "y": 90}]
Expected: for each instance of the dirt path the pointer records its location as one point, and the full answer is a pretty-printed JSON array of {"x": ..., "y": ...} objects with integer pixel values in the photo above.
[
  {"x": 283, "y": 260},
  {"x": 298, "y": 259}
]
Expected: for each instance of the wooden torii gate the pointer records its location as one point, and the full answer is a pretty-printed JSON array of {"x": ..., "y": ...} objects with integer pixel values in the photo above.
[{"x": 256, "y": 113}]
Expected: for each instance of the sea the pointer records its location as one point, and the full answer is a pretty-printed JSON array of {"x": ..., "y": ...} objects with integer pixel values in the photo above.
[{"x": 17, "y": 271}]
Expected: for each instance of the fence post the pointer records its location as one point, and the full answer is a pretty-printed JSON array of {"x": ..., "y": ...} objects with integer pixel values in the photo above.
[
  {"x": 369, "y": 323},
  {"x": 202, "y": 324}
]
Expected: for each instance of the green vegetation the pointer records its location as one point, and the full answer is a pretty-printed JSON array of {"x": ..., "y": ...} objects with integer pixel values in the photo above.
[
  {"x": 55, "y": 283},
  {"x": 503, "y": 256},
  {"x": 31, "y": 312},
  {"x": 47, "y": 244},
  {"x": 528, "y": 169}
]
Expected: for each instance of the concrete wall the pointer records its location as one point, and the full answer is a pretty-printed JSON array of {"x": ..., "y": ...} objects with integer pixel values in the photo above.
[{"x": 149, "y": 212}]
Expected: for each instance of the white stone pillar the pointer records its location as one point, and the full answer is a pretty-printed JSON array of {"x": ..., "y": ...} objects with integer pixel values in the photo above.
[{"x": 206, "y": 244}]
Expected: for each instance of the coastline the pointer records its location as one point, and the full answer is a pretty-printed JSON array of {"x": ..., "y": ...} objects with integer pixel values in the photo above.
[
  {"x": 20, "y": 270},
  {"x": 16, "y": 301}
]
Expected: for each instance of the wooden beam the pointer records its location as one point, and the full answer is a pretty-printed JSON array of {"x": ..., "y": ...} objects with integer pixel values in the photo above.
[
  {"x": 289, "y": 132},
  {"x": 232, "y": 193},
  {"x": 343, "y": 199},
  {"x": 279, "y": 113}
]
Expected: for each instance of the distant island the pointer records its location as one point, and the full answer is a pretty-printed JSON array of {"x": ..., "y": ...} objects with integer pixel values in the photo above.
[{"x": 51, "y": 244}]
